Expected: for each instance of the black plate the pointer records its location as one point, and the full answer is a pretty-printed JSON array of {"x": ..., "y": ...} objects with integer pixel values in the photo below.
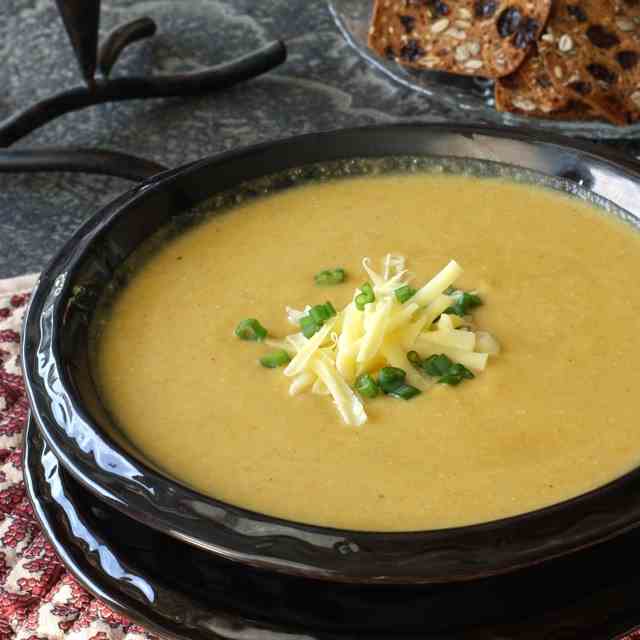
[
  {"x": 175, "y": 589},
  {"x": 70, "y": 414}
]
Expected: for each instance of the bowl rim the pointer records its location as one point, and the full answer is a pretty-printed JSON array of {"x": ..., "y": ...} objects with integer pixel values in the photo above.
[{"x": 129, "y": 484}]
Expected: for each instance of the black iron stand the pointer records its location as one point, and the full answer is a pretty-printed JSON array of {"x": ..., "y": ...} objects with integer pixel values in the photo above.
[{"x": 82, "y": 20}]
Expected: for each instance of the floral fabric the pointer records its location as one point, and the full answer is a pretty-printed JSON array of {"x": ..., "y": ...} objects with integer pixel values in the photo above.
[{"x": 39, "y": 600}]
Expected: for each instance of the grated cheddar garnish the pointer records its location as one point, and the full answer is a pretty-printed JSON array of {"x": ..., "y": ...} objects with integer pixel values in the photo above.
[{"x": 391, "y": 339}]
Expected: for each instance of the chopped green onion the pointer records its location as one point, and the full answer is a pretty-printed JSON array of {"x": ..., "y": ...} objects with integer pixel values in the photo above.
[
  {"x": 447, "y": 371},
  {"x": 367, "y": 289},
  {"x": 320, "y": 313},
  {"x": 308, "y": 326},
  {"x": 330, "y": 276},
  {"x": 277, "y": 358},
  {"x": 449, "y": 290},
  {"x": 460, "y": 369},
  {"x": 251, "y": 329},
  {"x": 456, "y": 375},
  {"x": 366, "y": 386},
  {"x": 437, "y": 365},
  {"x": 392, "y": 382},
  {"x": 414, "y": 358},
  {"x": 404, "y": 392},
  {"x": 463, "y": 304},
  {"x": 316, "y": 317},
  {"x": 367, "y": 296},
  {"x": 405, "y": 293},
  {"x": 391, "y": 378}
]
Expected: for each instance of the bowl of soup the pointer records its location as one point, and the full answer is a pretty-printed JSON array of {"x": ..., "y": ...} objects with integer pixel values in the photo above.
[{"x": 394, "y": 354}]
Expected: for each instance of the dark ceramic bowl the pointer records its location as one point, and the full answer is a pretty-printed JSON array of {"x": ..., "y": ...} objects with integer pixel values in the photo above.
[{"x": 69, "y": 413}]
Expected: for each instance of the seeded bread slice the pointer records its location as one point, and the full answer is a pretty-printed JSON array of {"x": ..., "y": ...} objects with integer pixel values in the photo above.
[
  {"x": 591, "y": 49},
  {"x": 528, "y": 91},
  {"x": 488, "y": 38}
]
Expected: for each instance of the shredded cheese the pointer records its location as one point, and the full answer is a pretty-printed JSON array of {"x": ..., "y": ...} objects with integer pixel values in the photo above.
[
  {"x": 438, "y": 284},
  {"x": 319, "y": 388},
  {"x": 301, "y": 383},
  {"x": 396, "y": 356},
  {"x": 374, "y": 276},
  {"x": 449, "y": 321},
  {"x": 402, "y": 316},
  {"x": 348, "y": 404},
  {"x": 348, "y": 343},
  {"x": 355, "y": 342},
  {"x": 294, "y": 315},
  {"x": 297, "y": 341},
  {"x": 425, "y": 319},
  {"x": 477, "y": 361},
  {"x": 303, "y": 356},
  {"x": 464, "y": 340},
  {"x": 374, "y": 335},
  {"x": 393, "y": 264},
  {"x": 486, "y": 343}
]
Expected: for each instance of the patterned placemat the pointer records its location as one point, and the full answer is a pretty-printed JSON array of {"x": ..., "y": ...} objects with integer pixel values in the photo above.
[{"x": 39, "y": 600}]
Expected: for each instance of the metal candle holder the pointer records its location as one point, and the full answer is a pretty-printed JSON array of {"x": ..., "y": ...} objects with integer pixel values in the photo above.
[{"x": 82, "y": 20}]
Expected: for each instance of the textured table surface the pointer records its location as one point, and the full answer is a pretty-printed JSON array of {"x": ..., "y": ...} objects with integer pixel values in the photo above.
[{"x": 323, "y": 85}]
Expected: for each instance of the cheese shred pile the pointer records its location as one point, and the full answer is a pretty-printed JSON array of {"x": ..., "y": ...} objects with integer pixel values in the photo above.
[{"x": 381, "y": 334}]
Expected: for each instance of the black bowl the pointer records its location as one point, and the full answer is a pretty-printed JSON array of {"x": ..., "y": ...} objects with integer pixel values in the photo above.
[{"x": 68, "y": 410}]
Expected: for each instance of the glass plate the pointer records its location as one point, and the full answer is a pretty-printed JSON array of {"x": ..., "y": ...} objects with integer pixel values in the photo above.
[{"x": 469, "y": 98}]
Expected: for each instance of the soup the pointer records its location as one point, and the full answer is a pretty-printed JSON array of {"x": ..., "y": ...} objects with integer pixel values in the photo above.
[{"x": 553, "y": 416}]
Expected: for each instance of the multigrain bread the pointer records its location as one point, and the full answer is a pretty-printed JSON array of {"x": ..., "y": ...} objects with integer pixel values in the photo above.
[
  {"x": 591, "y": 50},
  {"x": 488, "y": 38},
  {"x": 529, "y": 91},
  {"x": 566, "y": 59}
]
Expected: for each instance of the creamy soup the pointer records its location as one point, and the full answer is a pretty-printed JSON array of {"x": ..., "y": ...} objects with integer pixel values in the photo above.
[{"x": 553, "y": 416}]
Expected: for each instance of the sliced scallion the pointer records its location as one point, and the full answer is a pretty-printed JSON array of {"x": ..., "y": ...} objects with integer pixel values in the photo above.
[
  {"x": 414, "y": 358},
  {"x": 331, "y": 309},
  {"x": 308, "y": 326},
  {"x": 317, "y": 316},
  {"x": 404, "y": 392},
  {"x": 390, "y": 378},
  {"x": 404, "y": 293},
  {"x": 392, "y": 382},
  {"x": 320, "y": 313},
  {"x": 366, "y": 386},
  {"x": 251, "y": 329},
  {"x": 437, "y": 365},
  {"x": 463, "y": 304},
  {"x": 277, "y": 358},
  {"x": 329, "y": 277},
  {"x": 365, "y": 297},
  {"x": 456, "y": 374},
  {"x": 447, "y": 371}
]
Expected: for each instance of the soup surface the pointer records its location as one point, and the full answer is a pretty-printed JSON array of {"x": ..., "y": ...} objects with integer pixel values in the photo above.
[{"x": 552, "y": 417}]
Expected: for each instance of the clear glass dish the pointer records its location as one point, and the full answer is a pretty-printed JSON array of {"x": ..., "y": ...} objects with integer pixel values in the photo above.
[{"x": 470, "y": 98}]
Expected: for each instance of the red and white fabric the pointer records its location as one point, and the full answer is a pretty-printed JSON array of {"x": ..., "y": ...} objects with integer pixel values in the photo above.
[{"x": 39, "y": 600}]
